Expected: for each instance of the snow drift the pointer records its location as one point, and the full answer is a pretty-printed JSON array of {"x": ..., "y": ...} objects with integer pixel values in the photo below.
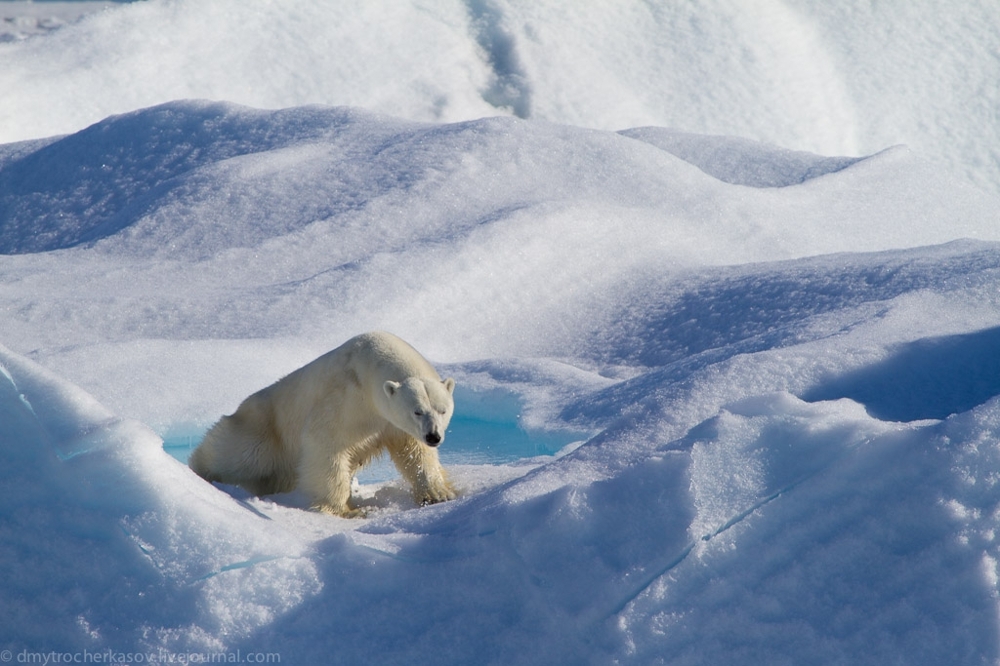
[
  {"x": 785, "y": 362},
  {"x": 846, "y": 78}
]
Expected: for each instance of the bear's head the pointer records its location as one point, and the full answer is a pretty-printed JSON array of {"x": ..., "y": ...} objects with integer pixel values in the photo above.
[{"x": 421, "y": 407}]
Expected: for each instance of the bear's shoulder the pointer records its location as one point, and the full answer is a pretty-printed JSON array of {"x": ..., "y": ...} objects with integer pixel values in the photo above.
[{"x": 389, "y": 352}]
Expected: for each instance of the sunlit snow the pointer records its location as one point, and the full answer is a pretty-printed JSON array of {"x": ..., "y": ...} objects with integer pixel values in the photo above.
[{"x": 726, "y": 348}]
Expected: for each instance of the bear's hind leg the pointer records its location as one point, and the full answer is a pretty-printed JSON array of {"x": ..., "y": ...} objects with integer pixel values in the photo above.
[{"x": 241, "y": 449}]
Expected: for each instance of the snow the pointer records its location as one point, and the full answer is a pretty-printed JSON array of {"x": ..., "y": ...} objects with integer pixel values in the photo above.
[
  {"x": 21, "y": 19},
  {"x": 845, "y": 78},
  {"x": 726, "y": 351}
]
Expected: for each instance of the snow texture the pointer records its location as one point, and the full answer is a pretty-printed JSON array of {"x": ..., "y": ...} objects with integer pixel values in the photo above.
[
  {"x": 843, "y": 78},
  {"x": 782, "y": 365}
]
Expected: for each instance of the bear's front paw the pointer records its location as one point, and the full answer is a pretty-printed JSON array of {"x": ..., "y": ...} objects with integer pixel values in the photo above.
[
  {"x": 435, "y": 495},
  {"x": 341, "y": 512}
]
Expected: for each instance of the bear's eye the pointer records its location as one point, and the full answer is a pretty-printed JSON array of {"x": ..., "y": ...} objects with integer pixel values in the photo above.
[{"x": 418, "y": 413}]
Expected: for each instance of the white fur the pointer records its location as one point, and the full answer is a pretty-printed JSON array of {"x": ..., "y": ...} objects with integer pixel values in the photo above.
[{"x": 316, "y": 427}]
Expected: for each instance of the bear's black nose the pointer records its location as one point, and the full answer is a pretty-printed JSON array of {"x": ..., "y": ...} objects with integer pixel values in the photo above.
[{"x": 433, "y": 438}]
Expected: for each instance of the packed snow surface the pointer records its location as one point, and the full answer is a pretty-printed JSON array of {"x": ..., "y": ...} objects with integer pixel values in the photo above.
[{"x": 720, "y": 400}]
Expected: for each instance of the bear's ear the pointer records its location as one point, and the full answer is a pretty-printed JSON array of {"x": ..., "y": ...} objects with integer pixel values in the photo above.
[
  {"x": 391, "y": 387},
  {"x": 449, "y": 384}
]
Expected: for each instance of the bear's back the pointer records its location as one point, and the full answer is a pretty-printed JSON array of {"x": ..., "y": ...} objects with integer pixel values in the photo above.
[{"x": 382, "y": 356}]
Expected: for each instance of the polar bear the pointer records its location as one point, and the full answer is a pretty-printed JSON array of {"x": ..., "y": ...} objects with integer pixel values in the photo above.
[{"x": 316, "y": 427}]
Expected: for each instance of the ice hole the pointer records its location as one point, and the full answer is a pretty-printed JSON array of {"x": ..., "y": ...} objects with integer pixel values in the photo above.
[{"x": 485, "y": 430}]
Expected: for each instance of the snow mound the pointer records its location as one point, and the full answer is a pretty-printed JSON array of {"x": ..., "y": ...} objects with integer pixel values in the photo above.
[
  {"x": 789, "y": 392},
  {"x": 194, "y": 178},
  {"x": 804, "y": 504},
  {"x": 741, "y": 161},
  {"x": 96, "y": 182},
  {"x": 105, "y": 486},
  {"x": 846, "y": 78},
  {"x": 304, "y": 213}
]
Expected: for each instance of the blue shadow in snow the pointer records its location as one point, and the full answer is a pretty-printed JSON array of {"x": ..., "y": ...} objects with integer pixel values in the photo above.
[{"x": 927, "y": 379}]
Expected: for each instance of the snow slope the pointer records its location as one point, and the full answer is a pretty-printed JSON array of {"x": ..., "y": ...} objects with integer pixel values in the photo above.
[
  {"x": 773, "y": 359},
  {"x": 845, "y": 78},
  {"x": 787, "y": 363},
  {"x": 310, "y": 214}
]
